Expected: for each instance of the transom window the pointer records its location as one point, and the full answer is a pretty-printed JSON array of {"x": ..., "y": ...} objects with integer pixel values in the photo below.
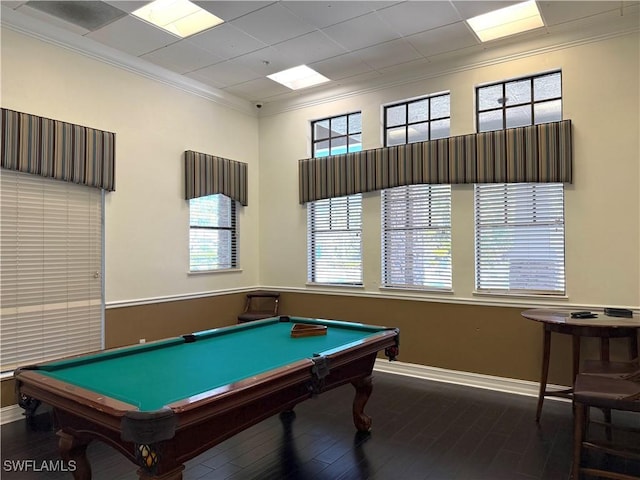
[
  {"x": 334, "y": 225},
  {"x": 519, "y": 228},
  {"x": 213, "y": 234},
  {"x": 416, "y": 219},
  {"x": 521, "y": 102},
  {"x": 417, "y": 120},
  {"x": 335, "y": 135}
]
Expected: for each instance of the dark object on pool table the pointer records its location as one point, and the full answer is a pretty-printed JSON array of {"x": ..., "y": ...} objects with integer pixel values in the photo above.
[
  {"x": 162, "y": 403},
  {"x": 302, "y": 330}
]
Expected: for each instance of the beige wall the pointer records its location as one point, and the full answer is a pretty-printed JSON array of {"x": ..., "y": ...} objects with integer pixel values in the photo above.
[
  {"x": 147, "y": 217},
  {"x": 600, "y": 96}
]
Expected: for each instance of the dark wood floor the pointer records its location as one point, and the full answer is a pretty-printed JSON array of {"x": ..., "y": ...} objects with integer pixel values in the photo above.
[{"x": 421, "y": 430}]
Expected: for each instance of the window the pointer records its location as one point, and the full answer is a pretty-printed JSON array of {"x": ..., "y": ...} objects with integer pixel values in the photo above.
[
  {"x": 416, "y": 219},
  {"x": 334, "y": 225},
  {"x": 213, "y": 234},
  {"x": 519, "y": 228},
  {"x": 418, "y": 120},
  {"x": 51, "y": 293}
]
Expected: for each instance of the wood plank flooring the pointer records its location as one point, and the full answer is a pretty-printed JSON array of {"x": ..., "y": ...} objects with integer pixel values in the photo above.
[{"x": 421, "y": 430}]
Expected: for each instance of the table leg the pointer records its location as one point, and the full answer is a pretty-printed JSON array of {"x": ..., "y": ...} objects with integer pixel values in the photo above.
[
  {"x": 363, "y": 387},
  {"x": 546, "y": 351},
  {"x": 576, "y": 357},
  {"x": 74, "y": 452}
]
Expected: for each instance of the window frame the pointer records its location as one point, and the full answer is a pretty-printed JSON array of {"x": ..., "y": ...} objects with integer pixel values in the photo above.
[
  {"x": 430, "y": 191},
  {"x": 503, "y": 108},
  {"x": 312, "y": 230},
  {"x": 234, "y": 237}
]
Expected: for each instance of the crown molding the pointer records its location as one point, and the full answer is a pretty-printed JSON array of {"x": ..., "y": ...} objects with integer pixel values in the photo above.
[{"x": 88, "y": 47}]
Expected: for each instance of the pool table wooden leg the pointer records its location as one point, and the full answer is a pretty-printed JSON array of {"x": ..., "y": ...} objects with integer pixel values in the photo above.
[
  {"x": 74, "y": 451},
  {"x": 363, "y": 387}
]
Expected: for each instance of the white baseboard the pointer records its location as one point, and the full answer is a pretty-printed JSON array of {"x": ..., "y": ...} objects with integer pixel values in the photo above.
[
  {"x": 476, "y": 380},
  {"x": 10, "y": 414},
  {"x": 13, "y": 413}
]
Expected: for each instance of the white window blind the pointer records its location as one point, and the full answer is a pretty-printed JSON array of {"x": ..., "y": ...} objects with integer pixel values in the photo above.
[
  {"x": 520, "y": 238},
  {"x": 213, "y": 234},
  {"x": 416, "y": 237},
  {"x": 335, "y": 240},
  {"x": 51, "y": 295}
]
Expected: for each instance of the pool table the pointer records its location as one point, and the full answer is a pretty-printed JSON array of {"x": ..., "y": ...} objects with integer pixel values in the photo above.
[{"x": 162, "y": 403}]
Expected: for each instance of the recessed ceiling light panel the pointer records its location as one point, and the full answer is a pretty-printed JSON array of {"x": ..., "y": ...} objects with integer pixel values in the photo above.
[
  {"x": 298, "y": 77},
  {"x": 180, "y": 17},
  {"x": 507, "y": 21}
]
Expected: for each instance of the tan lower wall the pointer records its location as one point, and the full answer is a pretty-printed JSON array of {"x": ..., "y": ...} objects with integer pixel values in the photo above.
[{"x": 489, "y": 340}]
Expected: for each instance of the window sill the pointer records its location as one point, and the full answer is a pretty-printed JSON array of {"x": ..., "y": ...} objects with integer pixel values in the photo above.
[
  {"x": 430, "y": 291},
  {"x": 520, "y": 295},
  {"x": 332, "y": 285},
  {"x": 208, "y": 272}
]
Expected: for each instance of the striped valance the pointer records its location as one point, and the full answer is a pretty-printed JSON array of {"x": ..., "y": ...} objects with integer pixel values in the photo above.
[
  {"x": 535, "y": 154},
  {"x": 60, "y": 150},
  {"x": 207, "y": 175}
]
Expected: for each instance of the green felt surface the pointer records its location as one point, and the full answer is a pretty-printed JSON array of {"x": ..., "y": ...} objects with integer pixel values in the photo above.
[{"x": 153, "y": 376}]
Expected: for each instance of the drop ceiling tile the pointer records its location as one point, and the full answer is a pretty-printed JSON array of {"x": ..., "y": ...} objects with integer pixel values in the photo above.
[
  {"x": 324, "y": 14},
  {"x": 309, "y": 48},
  {"x": 133, "y": 36},
  {"x": 388, "y": 54},
  {"x": 558, "y": 12},
  {"x": 407, "y": 18},
  {"x": 272, "y": 24},
  {"x": 223, "y": 74},
  {"x": 91, "y": 15},
  {"x": 343, "y": 66},
  {"x": 128, "y": 5},
  {"x": 231, "y": 10},
  {"x": 443, "y": 39},
  {"x": 182, "y": 57},
  {"x": 13, "y": 4},
  {"x": 50, "y": 19},
  {"x": 258, "y": 89},
  {"x": 265, "y": 61},
  {"x": 361, "y": 32},
  {"x": 226, "y": 41}
]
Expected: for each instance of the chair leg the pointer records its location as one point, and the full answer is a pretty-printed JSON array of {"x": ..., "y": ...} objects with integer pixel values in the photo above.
[{"x": 579, "y": 420}]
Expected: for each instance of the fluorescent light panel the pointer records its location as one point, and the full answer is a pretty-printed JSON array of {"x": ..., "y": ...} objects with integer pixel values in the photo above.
[
  {"x": 507, "y": 21},
  {"x": 298, "y": 77},
  {"x": 180, "y": 17}
]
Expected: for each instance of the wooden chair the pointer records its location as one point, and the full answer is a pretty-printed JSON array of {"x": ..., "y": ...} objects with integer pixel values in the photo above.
[
  {"x": 608, "y": 392},
  {"x": 260, "y": 305}
]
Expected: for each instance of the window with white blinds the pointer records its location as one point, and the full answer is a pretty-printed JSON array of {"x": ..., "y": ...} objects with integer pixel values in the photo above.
[
  {"x": 416, "y": 219},
  {"x": 213, "y": 233},
  {"x": 335, "y": 240},
  {"x": 519, "y": 228},
  {"x": 416, "y": 237},
  {"x": 334, "y": 225},
  {"x": 520, "y": 238},
  {"x": 51, "y": 244}
]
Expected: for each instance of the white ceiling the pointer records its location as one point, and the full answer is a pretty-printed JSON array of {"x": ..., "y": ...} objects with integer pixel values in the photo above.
[{"x": 347, "y": 41}]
